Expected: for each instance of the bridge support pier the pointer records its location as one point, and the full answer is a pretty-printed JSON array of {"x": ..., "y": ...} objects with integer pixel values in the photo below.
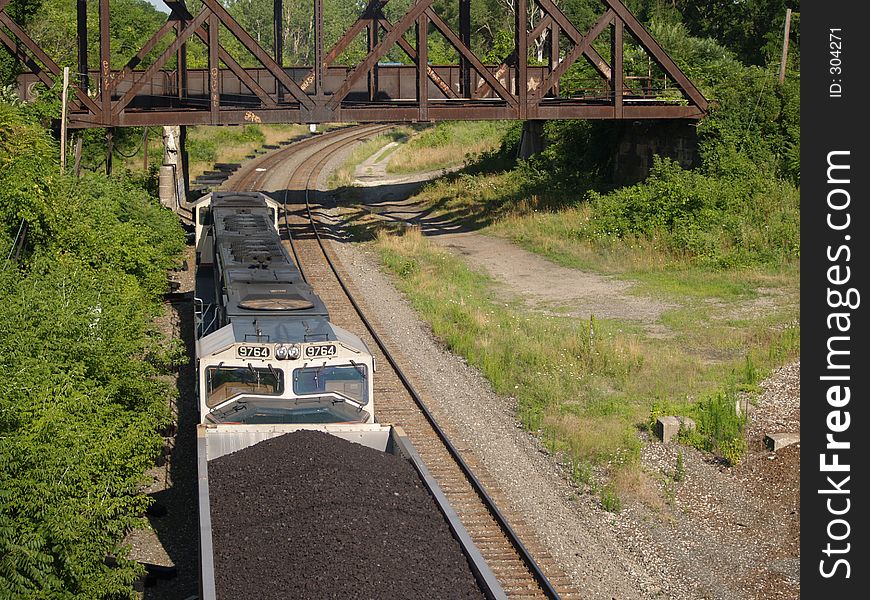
[
  {"x": 175, "y": 156},
  {"x": 185, "y": 163},
  {"x": 640, "y": 141},
  {"x": 532, "y": 139}
]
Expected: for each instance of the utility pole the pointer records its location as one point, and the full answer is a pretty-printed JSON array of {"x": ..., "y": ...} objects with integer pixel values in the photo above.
[
  {"x": 785, "y": 37},
  {"x": 63, "y": 120},
  {"x": 110, "y": 148},
  {"x": 78, "y": 155}
]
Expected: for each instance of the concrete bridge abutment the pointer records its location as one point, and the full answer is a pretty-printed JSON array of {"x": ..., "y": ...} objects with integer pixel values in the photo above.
[{"x": 640, "y": 141}]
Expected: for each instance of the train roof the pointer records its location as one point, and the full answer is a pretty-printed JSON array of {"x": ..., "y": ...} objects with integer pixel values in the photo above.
[
  {"x": 281, "y": 330},
  {"x": 261, "y": 278},
  {"x": 275, "y": 299},
  {"x": 236, "y": 199},
  {"x": 246, "y": 240}
]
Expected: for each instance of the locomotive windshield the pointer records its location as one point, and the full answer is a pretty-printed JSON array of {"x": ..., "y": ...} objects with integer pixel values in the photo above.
[
  {"x": 253, "y": 411},
  {"x": 347, "y": 380},
  {"x": 225, "y": 382}
]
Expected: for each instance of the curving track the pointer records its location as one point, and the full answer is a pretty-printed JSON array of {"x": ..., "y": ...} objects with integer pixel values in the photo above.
[{"x": 291, "y": 175}]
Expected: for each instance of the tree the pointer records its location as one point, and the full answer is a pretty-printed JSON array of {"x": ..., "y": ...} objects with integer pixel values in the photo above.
[{"x": 752, "y": 29}]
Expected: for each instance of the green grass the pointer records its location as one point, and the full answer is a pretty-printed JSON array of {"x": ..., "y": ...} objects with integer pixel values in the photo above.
[
  {"x": 726, "y": 270},
  {"x": 446, "y": 144},
  {"x": 344, "y": 175},
  {"x": 424, "y": 148},
  {"x": 588, "y": 390}
]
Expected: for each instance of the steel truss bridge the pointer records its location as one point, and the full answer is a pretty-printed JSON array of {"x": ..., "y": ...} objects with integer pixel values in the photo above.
[{"x": 227, "y": 93}]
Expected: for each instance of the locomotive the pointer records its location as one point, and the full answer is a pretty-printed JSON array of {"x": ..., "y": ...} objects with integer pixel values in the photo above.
[
  {"x": 271, "y": 363},
  {"x": 266, "y": 350}
]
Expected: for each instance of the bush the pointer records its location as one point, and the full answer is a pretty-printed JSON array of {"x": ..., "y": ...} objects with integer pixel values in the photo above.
[
  {"x": 720, "y": 428},
  {"x": 722, "y": 221},
  {"x": 205, "y": 148},
  {"x": 201, "y": 150},
  {"x": 610, "y": 500},
  {"x": 80, "y": 409},
  {"x": 680, "y": 469},
  {"x": 741, "y": 207}
]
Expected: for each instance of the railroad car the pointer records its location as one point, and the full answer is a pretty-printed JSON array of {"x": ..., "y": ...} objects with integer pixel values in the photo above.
[
  {"x": 270, "y": 363},
  {"x": 266, "y": 350}
]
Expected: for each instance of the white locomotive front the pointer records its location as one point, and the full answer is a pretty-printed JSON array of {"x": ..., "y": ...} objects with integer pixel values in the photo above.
[{"x": 266, "y": 350}]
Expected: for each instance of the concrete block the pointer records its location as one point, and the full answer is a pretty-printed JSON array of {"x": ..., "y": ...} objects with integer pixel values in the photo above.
[
  {"x": 777, "y": 441},
  {"x": 667, "y": 428}
]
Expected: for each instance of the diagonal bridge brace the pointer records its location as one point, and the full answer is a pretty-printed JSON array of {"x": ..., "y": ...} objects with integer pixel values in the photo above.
[
  {"x": 182, "y": 37},
  {"x": 378, "y": 52},
  {"x": 552, "y": 22},
  {"x": 374, "y": 12},
  {"x": 34, "y": 48},
  {"x": 180, "y": 13},
  {"x": 657, "y": 53},
  {"x": 259, "y": 53},
  {"x": 472, "y": 58},
  {"x": 578, "y": 49}
]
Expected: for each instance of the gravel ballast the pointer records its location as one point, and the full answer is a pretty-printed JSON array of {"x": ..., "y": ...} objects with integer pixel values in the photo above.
[{"x": 309, "y": 515}]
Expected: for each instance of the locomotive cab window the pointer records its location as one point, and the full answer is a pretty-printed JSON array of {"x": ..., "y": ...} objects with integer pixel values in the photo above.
[
  {"x": 205, "y": 216},
  {"x": 349, "y": 380},
  {"x": 222, "y": 383}
]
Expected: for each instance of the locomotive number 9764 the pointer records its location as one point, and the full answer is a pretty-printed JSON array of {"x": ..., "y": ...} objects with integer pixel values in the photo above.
[
  {"x": 320, "y": 351},
  {"x": 254, "y": 351}
]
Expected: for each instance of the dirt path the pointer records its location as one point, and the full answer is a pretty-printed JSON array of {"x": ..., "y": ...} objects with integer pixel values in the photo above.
[
  {"x": 540, "y": 284},
  {"x": 718, "y": 533},
  {"x": 373, "y": 171},
  {"x": 547, "y": 287}
]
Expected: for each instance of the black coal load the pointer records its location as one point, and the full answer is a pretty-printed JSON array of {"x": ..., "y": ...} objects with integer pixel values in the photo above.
[{"x": 309, "y": 515}]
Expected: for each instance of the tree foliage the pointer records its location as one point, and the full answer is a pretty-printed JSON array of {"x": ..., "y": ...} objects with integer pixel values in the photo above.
[
  {"x": 741, "y": 206},
  {"x": 80, "y": 408}
]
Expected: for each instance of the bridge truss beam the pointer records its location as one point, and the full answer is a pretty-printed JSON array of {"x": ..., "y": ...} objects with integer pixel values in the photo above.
[{"x": 226, "y": 93}]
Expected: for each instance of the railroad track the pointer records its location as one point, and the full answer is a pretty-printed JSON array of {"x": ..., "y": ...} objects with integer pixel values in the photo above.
[{"x": 525, "y": 572}]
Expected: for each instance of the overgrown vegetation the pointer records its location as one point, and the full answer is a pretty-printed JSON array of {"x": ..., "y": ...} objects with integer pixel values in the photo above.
[
  {"x": 446, "y": 144},
  {"x": 207, "y": 145},
  {"x": 81, "y": 408},
  {"x": 375, "y": 147},
  {"x": 585, "y": 386},
  {"x": 719, "y": 242}
]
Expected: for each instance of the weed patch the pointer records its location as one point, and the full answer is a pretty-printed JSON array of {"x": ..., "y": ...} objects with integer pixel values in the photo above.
[
  {"x": 447, "y": 144},
  {"x": 582, "y": 386},
  {"x": 344, "y": 175}
]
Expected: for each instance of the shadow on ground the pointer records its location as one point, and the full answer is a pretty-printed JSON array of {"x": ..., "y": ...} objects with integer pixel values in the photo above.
[{"x": 178, "y": 529}]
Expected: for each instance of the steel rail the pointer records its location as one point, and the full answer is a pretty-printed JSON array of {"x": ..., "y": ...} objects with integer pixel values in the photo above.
[
  {"x": 307, "y": 182},
  {"x": 487, "y": 500},
  {"x": 253, "y": 178}
]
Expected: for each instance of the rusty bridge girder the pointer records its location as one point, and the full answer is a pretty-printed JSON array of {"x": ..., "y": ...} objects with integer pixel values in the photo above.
[{"x": 227, "y": 93}]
